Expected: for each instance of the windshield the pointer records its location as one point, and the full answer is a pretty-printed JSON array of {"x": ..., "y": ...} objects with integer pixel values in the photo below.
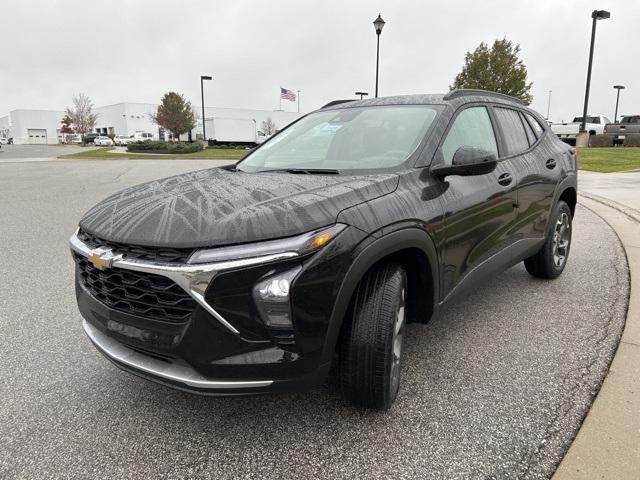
[{"x": 359, "y": 138}]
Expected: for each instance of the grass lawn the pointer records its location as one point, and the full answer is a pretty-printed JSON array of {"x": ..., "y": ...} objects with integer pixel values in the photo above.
[
  {"x": 105, "y": 153},
  {"x": 608, "y": 160}
]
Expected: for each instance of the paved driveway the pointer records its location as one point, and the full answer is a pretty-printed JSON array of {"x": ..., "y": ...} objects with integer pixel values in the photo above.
[{"x": 495, "y": 387}]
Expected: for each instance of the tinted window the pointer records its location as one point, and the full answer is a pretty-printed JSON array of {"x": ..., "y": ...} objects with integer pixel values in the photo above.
[
  {"x": 631, "y": 119},
  {"x": 537, "y": 128},
  {"x": 515, "y": 138},
  {"x": 527, "y": 128},
  {"x": 357, "y": 138},
  {"x": 589, "y": 119},
  {"x": 471, "y": 128}
]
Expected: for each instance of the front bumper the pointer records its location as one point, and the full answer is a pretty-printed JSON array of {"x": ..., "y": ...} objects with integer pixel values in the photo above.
[
  {"x": 222, "y": 348},
  {"x": 173, "y": 372}
]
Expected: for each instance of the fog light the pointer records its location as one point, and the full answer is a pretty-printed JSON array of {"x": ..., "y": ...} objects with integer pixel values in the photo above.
[{"x": 272, "y": 298}]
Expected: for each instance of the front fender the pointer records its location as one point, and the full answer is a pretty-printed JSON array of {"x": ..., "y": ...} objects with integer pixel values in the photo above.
[{"x": 368, "y": 255}]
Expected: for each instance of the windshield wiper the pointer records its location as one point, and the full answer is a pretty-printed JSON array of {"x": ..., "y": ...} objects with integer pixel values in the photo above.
[{"x": 307, "y": 171}]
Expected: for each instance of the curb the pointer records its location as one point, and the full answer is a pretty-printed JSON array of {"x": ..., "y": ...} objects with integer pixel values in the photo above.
[{"x": 608, "y": 443}]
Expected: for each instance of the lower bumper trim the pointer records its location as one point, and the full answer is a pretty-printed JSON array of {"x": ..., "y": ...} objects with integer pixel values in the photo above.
[{"x": 174, "y": 371}]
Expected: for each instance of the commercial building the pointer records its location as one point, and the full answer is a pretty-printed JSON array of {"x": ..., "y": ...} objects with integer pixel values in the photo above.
[{"x": 43, "y": 126}]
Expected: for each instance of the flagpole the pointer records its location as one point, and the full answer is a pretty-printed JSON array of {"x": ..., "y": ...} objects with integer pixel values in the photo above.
[{"x": 298, "y": 101}]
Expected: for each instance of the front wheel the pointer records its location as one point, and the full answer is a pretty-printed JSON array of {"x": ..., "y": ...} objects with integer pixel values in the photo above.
[
  {"x": 371, "y": 343},
  {"x": 550, "y": 261}
]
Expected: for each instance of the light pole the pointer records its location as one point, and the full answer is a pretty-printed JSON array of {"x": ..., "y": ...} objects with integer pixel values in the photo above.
[
  {"x": 615, "y": 115},
  {"x": 378, "y": 23},
  {"x": 595, "y": 15},
  {"x": 202, "y": 79},
  {"x": 549, "y": 104},
  {"x": 362, "y": 94},
  {"x": 298, "y": 101}
]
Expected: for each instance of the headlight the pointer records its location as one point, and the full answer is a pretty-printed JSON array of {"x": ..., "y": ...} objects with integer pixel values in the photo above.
[
  {"x": 297, "y": 246},
  {"x": 272, "y": 298}
]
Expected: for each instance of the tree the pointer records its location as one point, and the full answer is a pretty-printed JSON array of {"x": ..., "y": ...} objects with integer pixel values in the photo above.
[
  {"x": 81, "y": 114},
  {"x": 65, "y": 127},
  {"x": 268, "y": 126},
  {"x": 497, "y": 69},
  {"x": 175, "y": 114}
]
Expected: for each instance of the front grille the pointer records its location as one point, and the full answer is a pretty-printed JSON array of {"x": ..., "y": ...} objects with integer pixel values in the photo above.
[
  {"x": 137, "y": 293},
  {"x": 137, "y": 252}
]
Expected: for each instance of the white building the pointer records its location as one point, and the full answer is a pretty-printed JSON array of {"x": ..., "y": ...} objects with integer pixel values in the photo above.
[{"x": 43, "y": 126}]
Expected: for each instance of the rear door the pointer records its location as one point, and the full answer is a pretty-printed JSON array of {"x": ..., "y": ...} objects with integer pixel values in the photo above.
[
  {"x": 479, "y": 210},
  {"x": 537, "y": 165}
]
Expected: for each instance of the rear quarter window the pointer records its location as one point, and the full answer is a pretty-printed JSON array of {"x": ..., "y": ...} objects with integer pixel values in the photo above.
[{"x": 515, "y": 136}]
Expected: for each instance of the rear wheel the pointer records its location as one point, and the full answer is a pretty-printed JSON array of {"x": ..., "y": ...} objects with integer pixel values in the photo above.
[
  {"x": 550, "y": 261},
  {"x": 371, "y": 343}
]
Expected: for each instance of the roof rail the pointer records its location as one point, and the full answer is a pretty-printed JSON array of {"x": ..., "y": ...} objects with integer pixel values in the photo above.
[
  {"x": 470, "y": 92},
  {"x": 337, "y": 102}
]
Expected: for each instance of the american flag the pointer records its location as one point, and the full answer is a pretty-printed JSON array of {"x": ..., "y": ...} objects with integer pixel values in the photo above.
[{"x": 287, "y": 94}]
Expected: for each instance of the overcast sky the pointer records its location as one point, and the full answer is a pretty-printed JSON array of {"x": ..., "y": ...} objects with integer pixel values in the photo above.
[{"x": 134, "y": 51}]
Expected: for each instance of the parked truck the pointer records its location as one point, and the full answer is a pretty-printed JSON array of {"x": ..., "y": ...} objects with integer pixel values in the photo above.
[
  {"x": 567, "y": 132},
  {"x": 233, "y": 131},
  {"x": 628, "y": 124}
]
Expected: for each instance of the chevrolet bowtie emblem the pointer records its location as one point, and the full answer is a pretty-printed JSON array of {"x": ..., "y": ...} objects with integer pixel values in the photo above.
[{"x": 102, "y": 258}]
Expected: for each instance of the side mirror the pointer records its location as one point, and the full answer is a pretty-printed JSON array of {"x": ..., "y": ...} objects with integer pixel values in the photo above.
[{"x": 468, "y": 161}]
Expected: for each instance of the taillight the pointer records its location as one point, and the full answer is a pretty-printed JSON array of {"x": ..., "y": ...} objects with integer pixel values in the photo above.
[
  {"x": 573, "y": 150},
  {"x": 605, "y": 129}
]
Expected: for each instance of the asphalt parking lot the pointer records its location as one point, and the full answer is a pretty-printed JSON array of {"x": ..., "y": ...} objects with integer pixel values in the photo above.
[
  {"x": 495, "y": 387},
  {"x": 12, "y": 153}
]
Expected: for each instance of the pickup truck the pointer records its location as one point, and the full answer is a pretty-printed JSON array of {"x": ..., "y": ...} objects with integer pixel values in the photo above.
[
  {"x": 567, "y": 131},
  {"x": 628, "y": 124}
]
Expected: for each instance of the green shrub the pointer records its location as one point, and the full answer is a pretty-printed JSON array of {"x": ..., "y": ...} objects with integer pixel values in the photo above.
[
  {"x": 164, "y": 147},
  {"x": 632, "y": 140},
  {"x": 601, "y": 141}
]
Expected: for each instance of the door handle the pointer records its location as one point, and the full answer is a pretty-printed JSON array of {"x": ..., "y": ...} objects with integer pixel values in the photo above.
[
  {"x": 551, "y": 163},
  {"x": 505, "y": 179}
]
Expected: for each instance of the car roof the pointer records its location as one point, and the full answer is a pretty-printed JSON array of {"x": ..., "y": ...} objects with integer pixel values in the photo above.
[{"x": 454, "y": 98}]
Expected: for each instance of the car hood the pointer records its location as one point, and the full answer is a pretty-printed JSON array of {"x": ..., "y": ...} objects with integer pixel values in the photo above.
[{"x": 220, "y": 207}]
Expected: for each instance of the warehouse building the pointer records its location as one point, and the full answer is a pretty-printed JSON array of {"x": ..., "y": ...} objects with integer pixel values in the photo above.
[{"x": 43, "y": 126}]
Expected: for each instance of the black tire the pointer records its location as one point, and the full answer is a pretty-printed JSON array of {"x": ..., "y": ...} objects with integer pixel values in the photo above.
[
  {"x": 369, "y": 370},
  {"x": 546, "y": 263}
]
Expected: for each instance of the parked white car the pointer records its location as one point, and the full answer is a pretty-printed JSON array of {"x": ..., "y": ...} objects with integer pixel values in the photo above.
[
  {"x": 122, "y": 140},
  {"x": 103, "y": 141},
  {"x": 140, "y": 137},
  {"x": 596, "y": 125}
]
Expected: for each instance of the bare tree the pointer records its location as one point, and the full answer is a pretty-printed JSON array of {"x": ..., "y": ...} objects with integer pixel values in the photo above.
[
  {"x": 81, "y": 114},
  {"x": 268, "y": 126}
]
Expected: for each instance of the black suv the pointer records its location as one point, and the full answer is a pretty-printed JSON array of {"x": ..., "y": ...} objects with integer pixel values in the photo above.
[{"x": 322, "y": 243}]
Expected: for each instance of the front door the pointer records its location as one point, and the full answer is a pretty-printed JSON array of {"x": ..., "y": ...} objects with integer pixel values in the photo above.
[{"x": 478, "y": 210}]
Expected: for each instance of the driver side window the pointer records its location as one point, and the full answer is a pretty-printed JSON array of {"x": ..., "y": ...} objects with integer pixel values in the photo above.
[{"x": 471, "y": 128}]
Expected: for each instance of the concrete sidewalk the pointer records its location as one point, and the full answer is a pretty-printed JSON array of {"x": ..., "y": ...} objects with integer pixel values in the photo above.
[{"x": 608, "y": 443}]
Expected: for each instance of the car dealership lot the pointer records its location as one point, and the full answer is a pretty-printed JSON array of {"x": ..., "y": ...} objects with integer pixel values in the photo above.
[{"x": 495, "y": 386}]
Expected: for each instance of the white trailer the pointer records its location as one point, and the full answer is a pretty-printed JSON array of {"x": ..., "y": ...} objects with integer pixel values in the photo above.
[{"x": 231, "y": 131}]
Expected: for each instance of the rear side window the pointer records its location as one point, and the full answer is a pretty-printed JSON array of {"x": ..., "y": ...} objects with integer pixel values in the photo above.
[
  {"x": 515, "y": 137},
  {"x": 527, "y": 128},
  {"x": 537, "y": 128},
  {"x": 471, "y": 128}
]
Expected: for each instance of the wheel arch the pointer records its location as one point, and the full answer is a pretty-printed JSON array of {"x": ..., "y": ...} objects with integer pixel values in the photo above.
[{"x": 411, "y": 247}]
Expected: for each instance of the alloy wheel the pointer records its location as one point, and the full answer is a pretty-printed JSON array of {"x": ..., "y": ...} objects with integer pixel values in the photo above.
[
  {"x": 561, "y": 239},
  {"x": 398, "y": 334}
]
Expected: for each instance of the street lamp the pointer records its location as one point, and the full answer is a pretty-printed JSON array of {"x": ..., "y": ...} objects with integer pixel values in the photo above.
[
  {"x": 202, "y": 79},
  {"x": 615, "y": 115},
  {"x": 549, "y": 104},
  {"x": 595, "y": 15},
  {"x": 362, "y": 94},
  {"x": 378, "y": 23}
]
